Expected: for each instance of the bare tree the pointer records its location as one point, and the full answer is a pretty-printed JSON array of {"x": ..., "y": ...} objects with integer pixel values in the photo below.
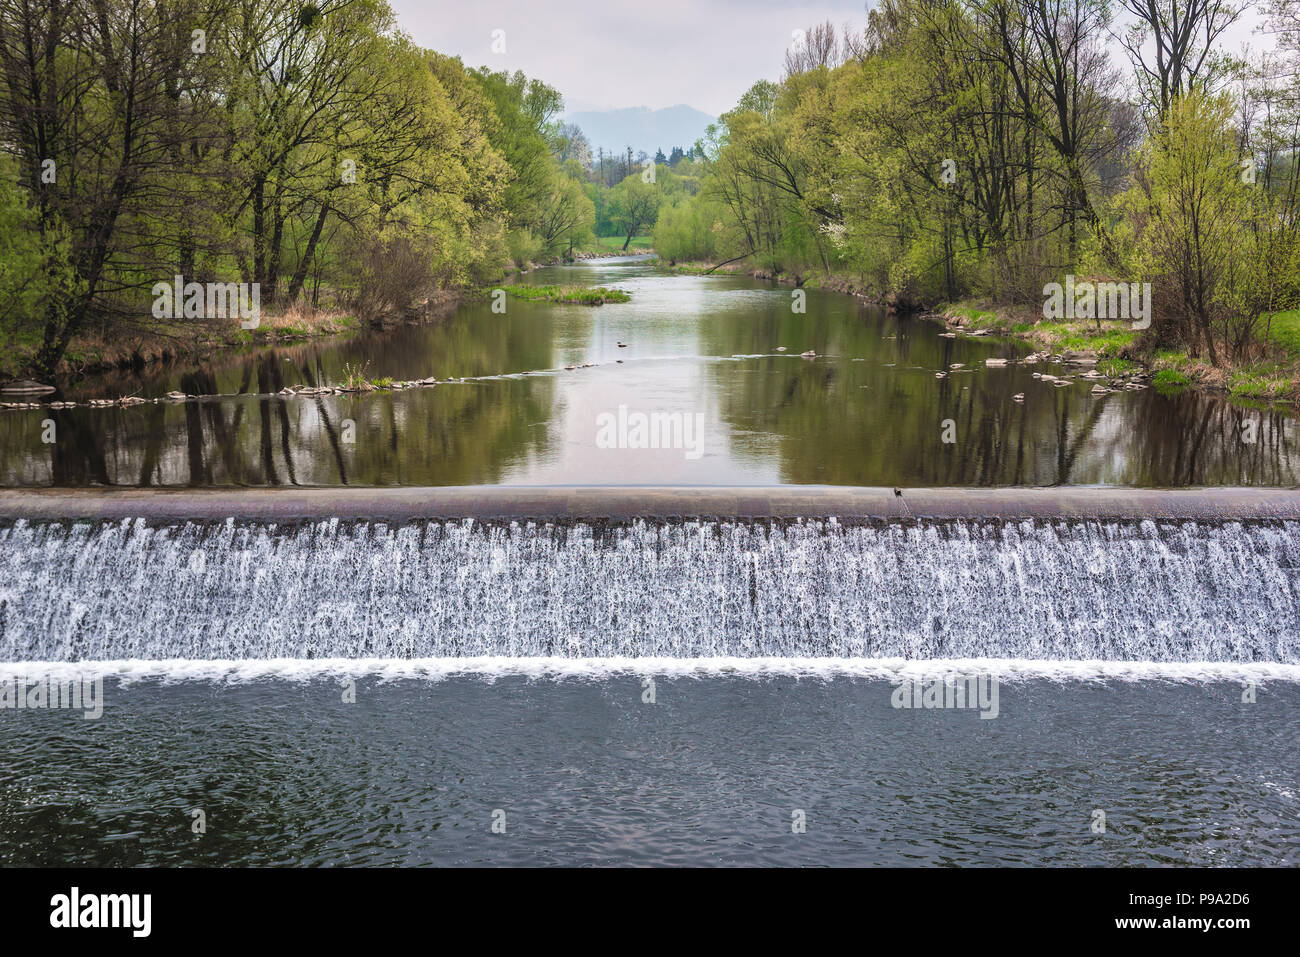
[
  {"x": 1172, "y": 45},
  {"x": 1053, "y": 53},
  {"x": 819, "y": 46}
]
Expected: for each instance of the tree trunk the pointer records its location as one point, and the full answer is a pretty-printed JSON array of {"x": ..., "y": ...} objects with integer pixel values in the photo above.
[{"x": 300, "y": 274}]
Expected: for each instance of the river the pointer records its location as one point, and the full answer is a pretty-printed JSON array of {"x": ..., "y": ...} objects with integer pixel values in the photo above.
[
  {"x": 343, "y": 687},
  {"x": 868, "y": 409}
]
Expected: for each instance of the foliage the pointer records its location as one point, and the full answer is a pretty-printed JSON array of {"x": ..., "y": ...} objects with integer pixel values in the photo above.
[
  {"x": 244, "y": 141},
  {"x": 590, "y": 297}
]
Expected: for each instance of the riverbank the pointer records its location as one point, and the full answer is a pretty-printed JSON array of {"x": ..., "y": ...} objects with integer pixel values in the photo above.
[
  {"x": 196, "y": 340},
  {"x": 1272, "y": 377},
  {"x": 832, "y": 282},
  {"x": 583, "y": 255},
  {"x": 92, "y": 353},
  {"x": 1114, "y": 347}
]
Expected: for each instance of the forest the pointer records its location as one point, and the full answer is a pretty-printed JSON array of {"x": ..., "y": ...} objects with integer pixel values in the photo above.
[
  {"x": 310, "y": 149},
  {"x": 948, "y": 151},
  {"x": 982, "y": 150}
]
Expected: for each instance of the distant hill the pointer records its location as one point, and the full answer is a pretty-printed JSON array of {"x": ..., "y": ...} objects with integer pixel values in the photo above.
[{"x": 642, "y": 128}]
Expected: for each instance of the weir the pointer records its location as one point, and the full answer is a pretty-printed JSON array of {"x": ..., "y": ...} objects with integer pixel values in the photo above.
[
  {"x": 1201, "y": 585},
  {"x": 626, "y": 503}
]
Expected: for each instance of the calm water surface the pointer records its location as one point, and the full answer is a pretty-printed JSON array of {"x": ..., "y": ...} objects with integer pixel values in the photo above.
[
  {"x": 868, "y": 410},
  {"x": 711, "y": 773}
]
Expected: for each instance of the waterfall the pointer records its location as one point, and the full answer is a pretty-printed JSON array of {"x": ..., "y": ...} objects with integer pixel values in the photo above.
[{"x": 1137, "y": 592}]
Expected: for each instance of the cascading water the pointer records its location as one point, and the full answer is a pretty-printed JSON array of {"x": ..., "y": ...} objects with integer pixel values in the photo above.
[{"x": 1065, "y": 590}]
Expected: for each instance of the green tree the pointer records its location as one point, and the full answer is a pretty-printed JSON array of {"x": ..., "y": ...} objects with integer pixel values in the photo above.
[
  {"x": 634, "y": 205},
  {"x": 1190, "y": 209}
]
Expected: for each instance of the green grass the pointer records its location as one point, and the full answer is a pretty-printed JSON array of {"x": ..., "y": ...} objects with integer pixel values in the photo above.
[
  {"x": 1266, "y": 382},
  {"x": 1172, "y": 359},
  {"x": 974, "y": 317},
  {"x": 1284, "y": 329},
  {"x": 1115, "y": 368},
  {"x": 578, "y": 294},
  {"x": 607, "y": 244},
  {"x": 1170, "y": 380},
  {"x": 1108, "y": 343},
  {"x": 1084, "y": 337}
]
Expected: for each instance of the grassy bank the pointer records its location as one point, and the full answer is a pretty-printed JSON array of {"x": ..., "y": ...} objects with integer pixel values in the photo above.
[
  {"x": 613, "y": 246},
  {"x": 95, "y": 351},
  {"x": 1272, "y": 377},
  {"x": 129, "y": 345},
  {"x": 832, "y": 282}
]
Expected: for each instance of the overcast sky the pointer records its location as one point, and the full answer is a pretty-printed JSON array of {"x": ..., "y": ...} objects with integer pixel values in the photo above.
[{"x": 606, "y": 54}]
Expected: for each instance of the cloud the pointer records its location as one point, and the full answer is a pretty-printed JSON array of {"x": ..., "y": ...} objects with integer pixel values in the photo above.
[{"x": 612, "y": 53}]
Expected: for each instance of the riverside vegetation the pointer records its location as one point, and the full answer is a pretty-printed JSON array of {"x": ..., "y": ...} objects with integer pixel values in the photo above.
[
  {"x": 309, "y": 148},
  {"x": 955, "y": 155},
  {"x": 962, "y": 155}
]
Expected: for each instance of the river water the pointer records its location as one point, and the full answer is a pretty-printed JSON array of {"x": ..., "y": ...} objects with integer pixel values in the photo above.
[
  {"x": 694, "y": 692},
  {"x": 867, "y": 410},
  {"x": 713, "y": 772}
]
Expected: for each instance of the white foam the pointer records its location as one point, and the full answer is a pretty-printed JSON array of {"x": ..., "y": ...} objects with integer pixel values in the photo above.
[
  {"x": 303, "y": 669},
  {"x": 1062, "y": 591}
]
